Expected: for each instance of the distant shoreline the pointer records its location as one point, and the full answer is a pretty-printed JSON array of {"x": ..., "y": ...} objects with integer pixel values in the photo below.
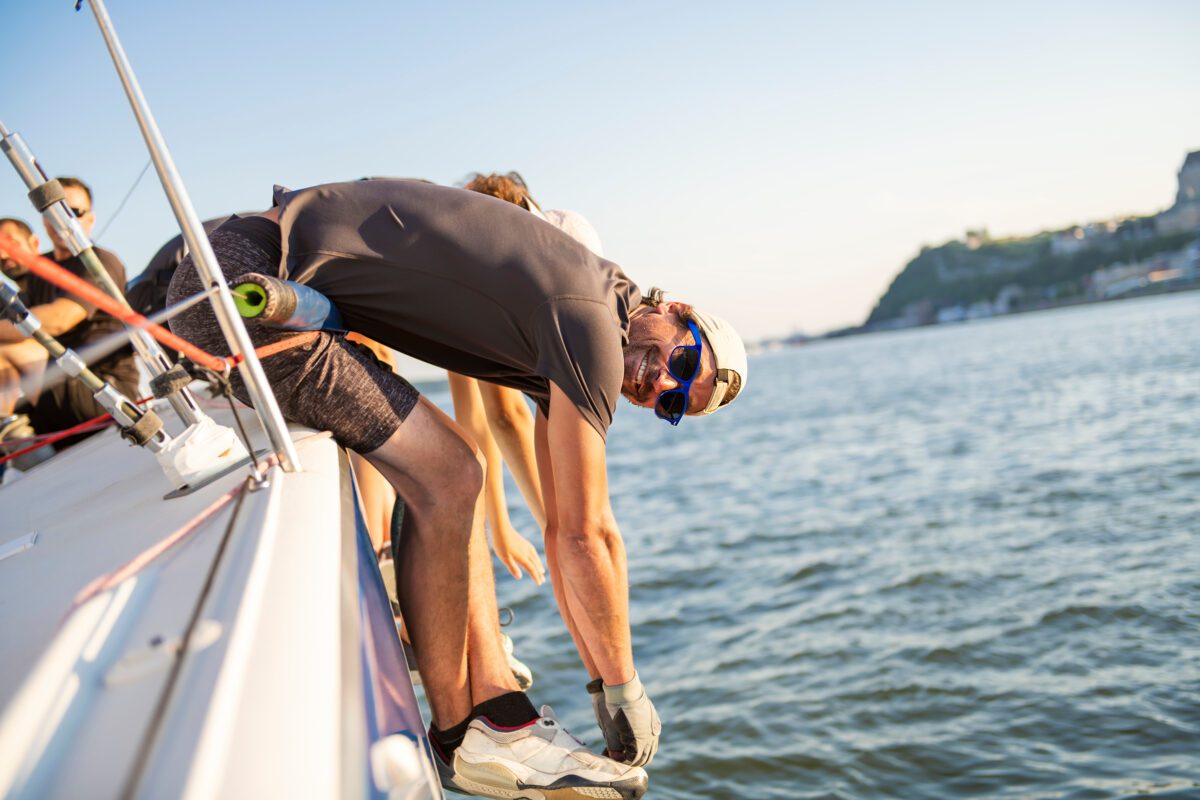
[{"x": 1148, "y": 291}]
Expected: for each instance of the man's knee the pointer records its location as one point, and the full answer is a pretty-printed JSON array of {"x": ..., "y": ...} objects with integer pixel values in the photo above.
[
  {"x": 446, "y": 494},
  {"x": 464, "y": 476},
  {"x": 439, "y": 467}
]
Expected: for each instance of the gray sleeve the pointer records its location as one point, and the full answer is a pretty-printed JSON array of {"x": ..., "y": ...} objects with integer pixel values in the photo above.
[{"x": 579, "y": 349}]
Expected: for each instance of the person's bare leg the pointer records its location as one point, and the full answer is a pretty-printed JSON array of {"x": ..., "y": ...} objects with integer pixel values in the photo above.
[
  {"x": 439, "y": 475},
  {"x": 490, "y": 673},
  {"x": 511, "y": 425},
  {"x": 469, "y": 414},
  {"x": 378, "y": 500}
]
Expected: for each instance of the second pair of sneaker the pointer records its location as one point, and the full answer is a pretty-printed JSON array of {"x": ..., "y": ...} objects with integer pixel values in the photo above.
[{"x": 537, "y": 761}]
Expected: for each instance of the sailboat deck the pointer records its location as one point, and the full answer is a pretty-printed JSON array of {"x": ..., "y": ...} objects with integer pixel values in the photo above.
[{"x": 282, "y": 689}]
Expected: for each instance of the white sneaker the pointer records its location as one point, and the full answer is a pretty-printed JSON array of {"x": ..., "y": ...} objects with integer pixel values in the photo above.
[{"x": 538, "y": 761}]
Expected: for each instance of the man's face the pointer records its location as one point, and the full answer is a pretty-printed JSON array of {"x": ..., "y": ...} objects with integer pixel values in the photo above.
[
  {"x": 653, "y": 334},
  {"x": 26, "y": 243},
  {"x": 77, "y": 199}
]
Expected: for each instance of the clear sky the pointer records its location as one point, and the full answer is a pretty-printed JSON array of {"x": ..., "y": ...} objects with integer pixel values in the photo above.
[{"x": 777, "y": 163}]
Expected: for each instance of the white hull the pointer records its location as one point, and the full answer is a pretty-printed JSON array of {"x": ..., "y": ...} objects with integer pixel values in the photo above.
[{"x": 293, "y": 675}]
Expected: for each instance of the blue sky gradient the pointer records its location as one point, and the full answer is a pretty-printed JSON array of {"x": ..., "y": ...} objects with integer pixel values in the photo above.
[{"x": 775, "y": 162}]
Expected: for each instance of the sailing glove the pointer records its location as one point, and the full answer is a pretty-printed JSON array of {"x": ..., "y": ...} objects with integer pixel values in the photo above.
[
  {"x": 627, "y": 717},
  {"x": 612, "y": 742}
]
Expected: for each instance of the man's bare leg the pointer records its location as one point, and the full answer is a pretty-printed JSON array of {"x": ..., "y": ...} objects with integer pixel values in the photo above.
[
  {"x": 490, "y": 674},
  {"x": 439, "y": 475},
  {"x": 378, "y": 500}
]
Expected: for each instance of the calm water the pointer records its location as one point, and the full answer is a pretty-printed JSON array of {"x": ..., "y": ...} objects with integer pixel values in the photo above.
[{"x": 952, "y": 562}]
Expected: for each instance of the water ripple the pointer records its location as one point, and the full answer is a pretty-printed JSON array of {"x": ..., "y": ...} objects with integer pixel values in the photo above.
[{"x": 957, "y": 562}]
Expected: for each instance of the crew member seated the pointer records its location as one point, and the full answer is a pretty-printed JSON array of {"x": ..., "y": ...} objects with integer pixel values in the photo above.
[{"x": 58, "y": 403}]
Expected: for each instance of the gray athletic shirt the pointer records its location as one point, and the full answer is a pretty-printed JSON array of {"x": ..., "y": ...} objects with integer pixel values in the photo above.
[{"x": 466, "y": 282}]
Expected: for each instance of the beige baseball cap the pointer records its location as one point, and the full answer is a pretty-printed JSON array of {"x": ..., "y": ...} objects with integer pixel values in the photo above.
[{"x": 729, "y": 356}]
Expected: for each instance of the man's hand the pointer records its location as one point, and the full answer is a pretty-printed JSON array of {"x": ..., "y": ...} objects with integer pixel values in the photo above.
[{"x": 629, "y": 721}]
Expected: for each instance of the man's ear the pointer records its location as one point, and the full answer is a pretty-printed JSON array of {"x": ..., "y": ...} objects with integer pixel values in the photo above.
[
  {"x": 34, "y": 244},
  {"x": 680, "y": 310}
]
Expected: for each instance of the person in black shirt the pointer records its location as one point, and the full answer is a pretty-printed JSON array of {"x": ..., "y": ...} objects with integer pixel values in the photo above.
[
  {"x": 73, "y": 322},
  {"x": 147, "y": 291},
  {"x": 15, "y": 426}
]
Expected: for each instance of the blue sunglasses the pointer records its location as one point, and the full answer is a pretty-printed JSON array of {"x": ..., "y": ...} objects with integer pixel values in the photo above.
[{"x": 684, "y": 365}]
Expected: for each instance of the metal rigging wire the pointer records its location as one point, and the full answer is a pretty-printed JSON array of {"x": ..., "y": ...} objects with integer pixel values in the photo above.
[{"x": 121, "y": 206}]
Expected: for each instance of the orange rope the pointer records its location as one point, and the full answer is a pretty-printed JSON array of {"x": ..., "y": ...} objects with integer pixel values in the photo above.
[{"x": 47, "y": 270}]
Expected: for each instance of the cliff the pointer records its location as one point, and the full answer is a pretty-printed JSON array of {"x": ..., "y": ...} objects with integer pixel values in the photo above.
[{"x": 1054, "y": 265}]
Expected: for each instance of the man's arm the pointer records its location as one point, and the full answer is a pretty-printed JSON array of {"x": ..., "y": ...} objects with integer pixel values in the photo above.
[
  {"x": 591, "y": 584},
  {"x": 588, "y": 563},
  {"x": 550, "y": 528},
  {"x": 57, "y": 318}
]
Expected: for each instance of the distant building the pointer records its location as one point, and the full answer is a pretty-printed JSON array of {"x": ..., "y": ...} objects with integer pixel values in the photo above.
[
  {"x": 980, "y": 309},
  {"x": 1068, "y": 242},
  {"x": 977, "y": 238},
  {"x": 1191, "y": 263},
  {"x": 919, "y": 313},
  {"x": 1189, "y": 179},
  {"x": 1184, "y": 216},
  {"x": 951, "y": 314},
  {"x": 1118, "y": 279}
]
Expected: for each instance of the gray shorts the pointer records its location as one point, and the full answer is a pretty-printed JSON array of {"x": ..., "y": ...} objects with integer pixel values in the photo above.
[{"x": 329, "y": 383}]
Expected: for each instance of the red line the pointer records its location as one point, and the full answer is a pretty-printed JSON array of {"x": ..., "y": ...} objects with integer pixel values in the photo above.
[
  {"x": 507, "y": 728},
  {"x": 50, "y": 438},
  {"x": 46, "y": 269}
]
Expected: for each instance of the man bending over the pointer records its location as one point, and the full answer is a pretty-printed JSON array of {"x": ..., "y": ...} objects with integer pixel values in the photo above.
[{"x": 483, "y": 288}]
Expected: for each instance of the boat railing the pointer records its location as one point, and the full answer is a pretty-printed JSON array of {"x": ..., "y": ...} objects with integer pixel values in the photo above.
[{"x": 47, "y": 196}]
